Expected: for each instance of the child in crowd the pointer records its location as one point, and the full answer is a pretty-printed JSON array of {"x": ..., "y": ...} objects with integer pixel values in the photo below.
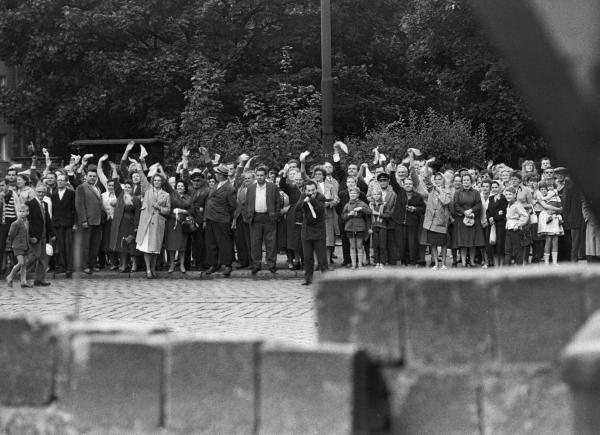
[
  {"x": 378, "y": 230},
  {"x": 516, "y": 218},
  {"x": 550, "y": 220},
  {"x": 354, "y": 215},
  {"x": 18, "y": 240}
]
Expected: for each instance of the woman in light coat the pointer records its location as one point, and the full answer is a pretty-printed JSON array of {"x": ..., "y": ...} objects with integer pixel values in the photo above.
[
  {"x": 156, "y": 206},
  {"x": 437, "y": 219},
  {"x": 330, "y": 192},
  {"x": 592, "y": 233}
]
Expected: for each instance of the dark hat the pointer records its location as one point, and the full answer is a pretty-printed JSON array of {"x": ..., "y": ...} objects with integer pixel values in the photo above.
[
  {"x": 561, "y": 170},
  {"x": 383, "y": 176},
  {"x": 196, "y": 173},
  {"x": 222, "y": 169}
]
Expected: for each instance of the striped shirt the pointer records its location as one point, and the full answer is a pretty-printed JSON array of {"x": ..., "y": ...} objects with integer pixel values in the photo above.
[{"x": 10, "y": 213}]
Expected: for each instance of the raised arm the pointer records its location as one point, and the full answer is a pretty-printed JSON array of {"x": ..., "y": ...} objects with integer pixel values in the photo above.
[
  {"x": 101, "y": 175},
  {"x": 48, "y": 161},
  {"x": 115, "y": 178}
]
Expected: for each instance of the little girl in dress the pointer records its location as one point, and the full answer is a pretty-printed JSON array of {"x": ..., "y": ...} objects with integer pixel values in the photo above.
[{"x": 550, "y": 220}]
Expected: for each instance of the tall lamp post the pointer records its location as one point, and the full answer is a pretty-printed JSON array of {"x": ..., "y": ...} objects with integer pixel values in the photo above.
[{"x": 326, "y": 80}]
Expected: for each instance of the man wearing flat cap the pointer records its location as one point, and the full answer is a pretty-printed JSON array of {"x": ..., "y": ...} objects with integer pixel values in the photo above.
[
  {"x": 199, "y": 192},
  {"x": 218, "y": 213}
]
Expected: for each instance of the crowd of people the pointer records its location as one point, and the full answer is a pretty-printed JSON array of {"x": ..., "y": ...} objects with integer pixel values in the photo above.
[{"x": 129, "y": 216}]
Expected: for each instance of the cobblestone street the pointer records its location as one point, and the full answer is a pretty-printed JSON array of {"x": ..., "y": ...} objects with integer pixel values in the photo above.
[{"x": 277, "y": 309}]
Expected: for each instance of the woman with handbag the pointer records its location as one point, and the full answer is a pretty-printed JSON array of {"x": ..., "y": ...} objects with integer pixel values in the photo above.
[
  {"x": 156, "y": 207},
  {"x": 467, "y": 208},
  {"x": 124, "y": 225},
  {"x": 175, "y": 237},
  {"x": 496, "y": 216}
]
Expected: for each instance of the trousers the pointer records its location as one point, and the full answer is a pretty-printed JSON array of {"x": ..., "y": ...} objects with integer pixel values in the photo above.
[
  {"x": 310, "y": 248},
  {"x": 263, "y": 229},
  {"x": 219, "y": 244}
]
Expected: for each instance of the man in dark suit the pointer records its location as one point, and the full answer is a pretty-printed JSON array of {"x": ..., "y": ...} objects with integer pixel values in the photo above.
[
  {"x": 574, "y": 224},
  {"x": 313, "y": 232},
  {"x": 88, "y": 204},
  {"x": 199, "y": 192},
  {"x": 63, "y": 218},
  {"x": 263, "y": 204},
  {"x": 218, "y": 214},
  {"x": 241, "y": 223},
  {"x": 40, "y": 233}
]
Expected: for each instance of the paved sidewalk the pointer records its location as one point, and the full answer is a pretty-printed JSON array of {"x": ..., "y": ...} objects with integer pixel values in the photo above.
[{"x": 239, "y": 307}]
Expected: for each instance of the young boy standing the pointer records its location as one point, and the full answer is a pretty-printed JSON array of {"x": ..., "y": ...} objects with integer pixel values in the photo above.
[
  {"x": 516, "y": 218},
  {"x": 18, "y": 240}
]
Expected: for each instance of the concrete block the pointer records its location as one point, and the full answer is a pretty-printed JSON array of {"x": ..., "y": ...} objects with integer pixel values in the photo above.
[
  {"x": 362, "y": 309},
  {"x": 448, "y": 320},
  {"x": 433, "y": 401},
  {"x": 117, "y": 382},
  {"x": 537, "y": 313},
  {"x": 212, "y": 386},
  {"x": 45, "y": 420},
  {"x": 68, "y": 330},
  {"x": 526, "y": 400},
  {"x": 28, "y": 351},
  {"x": 313, "y": 390},
  {"x": 589, "y": 283}
]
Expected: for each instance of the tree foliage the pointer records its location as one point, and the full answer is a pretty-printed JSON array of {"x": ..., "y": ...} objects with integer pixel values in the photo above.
[
  {"x": 452, "y": 141},
  {"x": 213, "y": 72}
]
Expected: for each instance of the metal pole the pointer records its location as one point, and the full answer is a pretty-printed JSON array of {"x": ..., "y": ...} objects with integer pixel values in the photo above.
[{"x": 326, "y": 80}]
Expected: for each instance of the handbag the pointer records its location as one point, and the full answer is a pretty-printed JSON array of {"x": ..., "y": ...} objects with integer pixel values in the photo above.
[
  {"x": 469, "y": 221},
  {"x": 493, "y": 234},
  {"x": 533, "y": 218},
  {"x": 189, "y": 225}
]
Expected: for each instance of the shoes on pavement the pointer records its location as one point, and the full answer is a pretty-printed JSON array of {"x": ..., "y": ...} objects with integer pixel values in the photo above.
[
  {"x": 114, "y": 267},
  {"x": 210, "y": 270},
  {"x": 26, "y": 285},
  {"x": 87, "y": 271},
  {"x": 123, "y": 269},
  {"x": 227, "y": 271},
  {"x": 306, "y": 283},
  {"x": 96, "y": 269},
  {"x": 255, "y": 270},
  {"x": 242, "y": 266},
  {"x": 9, "y": 281},
  {"x": 182, "y": 268},
  {"x": 273, "y": 269},
  {"x": 41, "y": 283}
]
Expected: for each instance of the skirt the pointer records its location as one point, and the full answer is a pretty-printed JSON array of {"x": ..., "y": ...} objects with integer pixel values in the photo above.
[
  {"x": 175, "y": 238},
  {"x": 144, "y": 247},
  {"x": 549, "y": 225},
  {"x": 360, "y": 235},
  {"x": 438, "y": 239}
]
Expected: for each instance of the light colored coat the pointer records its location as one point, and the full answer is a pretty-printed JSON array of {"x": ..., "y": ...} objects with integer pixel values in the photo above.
[
  {"x": 330, "y": 193},
  {"x": 153, "y": 220},
  {"x": 437, "y": 212}
]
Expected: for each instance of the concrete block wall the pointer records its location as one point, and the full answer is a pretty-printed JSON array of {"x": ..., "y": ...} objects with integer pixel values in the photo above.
[
  {"x": 62, "y": 377},
  {"x": 464, "y": 351}
]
